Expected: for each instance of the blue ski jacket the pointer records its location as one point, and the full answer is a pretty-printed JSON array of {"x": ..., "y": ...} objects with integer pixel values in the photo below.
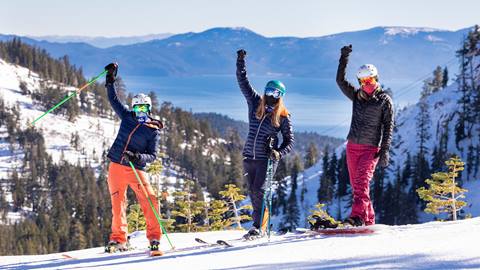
[{"x": 132, "y": 135}]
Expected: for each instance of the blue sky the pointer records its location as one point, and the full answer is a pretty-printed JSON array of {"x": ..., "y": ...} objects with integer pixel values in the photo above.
[{"x": 267, "y": 17}]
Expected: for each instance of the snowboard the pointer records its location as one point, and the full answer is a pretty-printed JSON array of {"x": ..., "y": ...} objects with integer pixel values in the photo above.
[{"x": 339, "y": 230}]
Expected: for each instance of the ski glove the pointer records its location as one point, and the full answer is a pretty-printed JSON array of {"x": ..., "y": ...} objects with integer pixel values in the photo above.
[
  {"x": 346, "y": 50},
  {"x": 384, "y": 158},
  {"x": 275, "y": 155},
  {"x": 130, "y": 156},
  {"x": 241, "y": 54},
  {"x": 111, "y": 69}
]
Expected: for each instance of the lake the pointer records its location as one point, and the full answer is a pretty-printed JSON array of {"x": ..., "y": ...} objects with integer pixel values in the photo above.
[{"x": 315, "y": 104}]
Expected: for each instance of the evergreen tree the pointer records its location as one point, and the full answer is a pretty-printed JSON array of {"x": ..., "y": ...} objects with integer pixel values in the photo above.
[
  {"x": 186, "y": 209},
  {"x": 291, "y": 218},
  {"x": 323, "y": 177},
  {"x": 232, "y": 195},
  {"x": 437, "y": 81},
  {"x": 343, "y": 176},
  {"x": 136, "y": 219},
  {"x": 443, "y": 193},
  {"x": 445, "y": 77},
  {"x": 311, "y": 156},
  {"x": 216, "y": 213},
  {"x": 279, "y": 199},
  {"x": 327, "y": 179}
]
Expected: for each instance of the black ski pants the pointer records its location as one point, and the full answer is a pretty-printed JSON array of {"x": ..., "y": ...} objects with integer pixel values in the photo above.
[{"x": 255, "y": 172}]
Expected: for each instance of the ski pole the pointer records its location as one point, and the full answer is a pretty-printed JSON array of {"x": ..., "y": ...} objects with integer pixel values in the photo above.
[
  {"x": 269, "y": 198},
  {"x": 151, "y": 204},
  {"x": 69, "y": 97}
]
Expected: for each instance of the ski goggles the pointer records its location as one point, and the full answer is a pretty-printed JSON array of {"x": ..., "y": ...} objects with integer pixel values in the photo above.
[
  {"x": 367, "y": 80},
  {"x": 273, "y": 92},
  {"x": 141, "y": 108}
]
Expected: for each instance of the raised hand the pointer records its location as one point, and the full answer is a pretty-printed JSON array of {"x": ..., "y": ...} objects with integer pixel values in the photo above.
[
  {"x": 346, "y": 50},
  {"x": 241, "y": 54},
  {"x": 111, "y": 69}
]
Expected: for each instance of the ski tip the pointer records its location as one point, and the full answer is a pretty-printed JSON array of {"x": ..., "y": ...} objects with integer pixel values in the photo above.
[
  {"x": 201, "y": 241},
  {"x": 66, "y": 256},
  {"x": 156, "y": 253},
  {"x": 224, "y": 243}
]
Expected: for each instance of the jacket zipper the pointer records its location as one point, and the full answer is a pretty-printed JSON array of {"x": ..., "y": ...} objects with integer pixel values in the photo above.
[
  {"x": 258, "y": 130},
  {"x": 128, "y": 141}
]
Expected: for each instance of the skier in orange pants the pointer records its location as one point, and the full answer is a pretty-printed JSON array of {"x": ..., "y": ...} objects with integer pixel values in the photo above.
[{"x": 136, "y": 142}]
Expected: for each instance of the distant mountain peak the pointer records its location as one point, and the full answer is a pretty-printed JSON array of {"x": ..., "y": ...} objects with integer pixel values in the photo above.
[
  {"x": 229, "y": 30},
  {"x": 405, "y": 30}
]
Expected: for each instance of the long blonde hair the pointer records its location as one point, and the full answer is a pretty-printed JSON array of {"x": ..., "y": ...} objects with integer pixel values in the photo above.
[{"x": 278, "y": 111}]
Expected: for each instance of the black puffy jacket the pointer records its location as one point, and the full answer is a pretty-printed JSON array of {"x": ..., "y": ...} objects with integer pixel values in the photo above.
[
  {"x": 132, "y": 135},
  {"x": 372, "y": 119},
  {"x": 260, "y": 130}
]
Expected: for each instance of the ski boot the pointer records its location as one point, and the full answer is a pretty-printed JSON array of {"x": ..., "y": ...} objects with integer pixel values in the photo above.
[
  {"x": 353, "y": 222},
  {"x": 155, "y": 248},
  {"x": 319, "y": 223},
  {"x": 114, "y": 246},
  {"x": 252, "y": 234}
]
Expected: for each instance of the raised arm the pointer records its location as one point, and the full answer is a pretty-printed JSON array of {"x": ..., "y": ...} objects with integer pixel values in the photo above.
[
  {"x": 116, "y": 104},
  {"x": 288, "y": 138},
  {"x": 347, "y": 88},
  {"x": 247, "y": 90}
]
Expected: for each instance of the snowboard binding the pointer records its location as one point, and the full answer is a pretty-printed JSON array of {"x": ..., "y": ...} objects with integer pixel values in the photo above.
[{"x": 319, "y": 223}]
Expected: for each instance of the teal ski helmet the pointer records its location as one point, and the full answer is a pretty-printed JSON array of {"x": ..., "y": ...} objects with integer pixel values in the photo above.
[{"x": 275, "y": 88}]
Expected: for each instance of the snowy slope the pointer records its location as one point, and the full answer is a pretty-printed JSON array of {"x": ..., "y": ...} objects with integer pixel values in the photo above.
[
  {"x": 435, "y": 245},
  {"x": 442, "y": 107},
  {"x": 96, "y": 133}
]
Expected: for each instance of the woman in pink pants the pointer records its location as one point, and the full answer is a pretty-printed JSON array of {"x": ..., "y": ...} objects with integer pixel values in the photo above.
[{"x": 369, "y": 137}]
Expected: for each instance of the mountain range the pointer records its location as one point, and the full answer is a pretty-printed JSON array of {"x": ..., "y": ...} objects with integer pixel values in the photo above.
[
  {"x": 102, "y": 42},
  {"x": 398, "y": 52}
]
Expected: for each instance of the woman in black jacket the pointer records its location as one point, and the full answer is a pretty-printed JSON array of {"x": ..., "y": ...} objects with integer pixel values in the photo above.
[
  {"x": 369, "y": 137},
  {"x": 267, "y": 116}
]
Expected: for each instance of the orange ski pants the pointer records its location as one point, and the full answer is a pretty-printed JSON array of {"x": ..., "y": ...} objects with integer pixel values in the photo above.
[{"x": 119, "y": 178}]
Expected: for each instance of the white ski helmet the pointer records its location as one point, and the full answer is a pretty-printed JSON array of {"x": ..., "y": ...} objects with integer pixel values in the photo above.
[
  {"x": 141, "y": 99},
  {"x": 367, "y": 70}
]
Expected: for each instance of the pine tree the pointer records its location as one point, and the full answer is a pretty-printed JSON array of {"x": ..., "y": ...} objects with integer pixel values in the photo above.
[
  {"x": 323, "y": 177},
  {"x": 233, "y": 196},
  {"x": 77, "y": 234},
  {"x": 437, "y": 81},
  {"x": 343, "y": 176},
  {"x": 292, "y": 216},
  {"x": 443, "y": 193},
  {"x": 279, "y": 199},
  {"x": 216, "y": 213},
  {"x": 186, "y": 208},
  {"x": 445, "y": 77},
  {"x": 327, "y": 179},
  {"x": 422, "y": 167},
  {"x": 311, "y": 156},
  {"x": 155, "y": 170},
  {"x": 136, "y": 219}
]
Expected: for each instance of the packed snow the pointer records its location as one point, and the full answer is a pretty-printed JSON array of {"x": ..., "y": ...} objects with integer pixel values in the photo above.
[{"x": 434, "y": 245}]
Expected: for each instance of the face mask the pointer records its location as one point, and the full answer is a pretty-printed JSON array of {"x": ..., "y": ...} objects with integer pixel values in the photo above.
[
  {"x": 142, "y": 117},
  {"x": 271, "y": 101},
  {"x": 369, "y": 88}
]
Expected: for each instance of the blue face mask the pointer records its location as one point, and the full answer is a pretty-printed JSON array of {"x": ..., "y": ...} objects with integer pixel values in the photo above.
[{"x": 142, "y": 117}]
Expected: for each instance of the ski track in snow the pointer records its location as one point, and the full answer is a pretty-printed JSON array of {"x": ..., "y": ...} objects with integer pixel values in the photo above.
[{"x": 434, "y": 245}]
